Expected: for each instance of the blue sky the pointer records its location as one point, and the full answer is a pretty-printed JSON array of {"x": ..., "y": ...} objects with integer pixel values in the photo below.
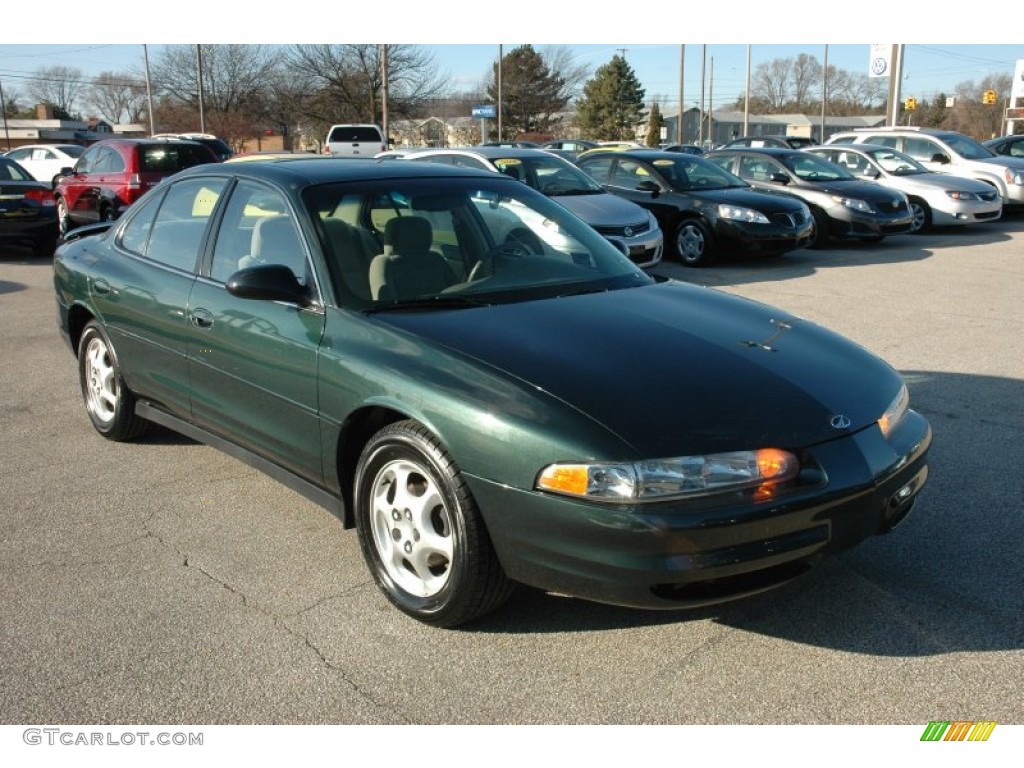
[{"x": 651, "y": 39}]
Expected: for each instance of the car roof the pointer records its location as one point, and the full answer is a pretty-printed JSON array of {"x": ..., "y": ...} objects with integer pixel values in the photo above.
[
  {"x": 488, "y": 152},
  {"x": 776, "y": 151},
  {"x": 310, "y": 170}
]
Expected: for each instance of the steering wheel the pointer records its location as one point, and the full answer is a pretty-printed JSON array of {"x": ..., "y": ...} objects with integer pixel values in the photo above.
[{"x": 513, "y": 247}]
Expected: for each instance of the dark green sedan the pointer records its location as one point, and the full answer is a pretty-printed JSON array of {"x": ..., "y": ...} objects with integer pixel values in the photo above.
[{"x": 485, "y": 388}]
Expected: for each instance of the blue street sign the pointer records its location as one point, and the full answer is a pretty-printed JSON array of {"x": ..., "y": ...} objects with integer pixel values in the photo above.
[{"x": 486, "y": 110}]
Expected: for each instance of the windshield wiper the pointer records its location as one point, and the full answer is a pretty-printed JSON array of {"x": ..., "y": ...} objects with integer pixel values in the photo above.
[{"x": 429, "y": 303}]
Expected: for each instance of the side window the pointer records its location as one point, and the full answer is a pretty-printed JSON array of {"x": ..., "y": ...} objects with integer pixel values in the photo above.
[
  {"x": 19, "y": 154},
  {"x": 886, "y": 141},
  {"x": 257, "y": 229},
  {"x": 86, "y": 161},
  {"x": 922, "y": 149},
  {"x": 629, "y": 173},
  {"x": 181, "y": 222},
  {"x": 598, "y": 169},
  {"x": 467, "y": 162}
]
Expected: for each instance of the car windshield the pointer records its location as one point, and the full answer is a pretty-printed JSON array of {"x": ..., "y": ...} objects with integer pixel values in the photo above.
[
  {"x": 896, "y": 163},
  {"x": 549, "y": 174},
  {"x": 685, "y": 172},
  {"x": 967, "y": 147},
  {"x": 420, "y": 244},
  {"x": 812, "y": 168}
]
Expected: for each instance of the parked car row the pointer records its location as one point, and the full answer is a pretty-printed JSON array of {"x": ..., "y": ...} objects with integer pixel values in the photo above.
[{"x": 484, "y": 414}]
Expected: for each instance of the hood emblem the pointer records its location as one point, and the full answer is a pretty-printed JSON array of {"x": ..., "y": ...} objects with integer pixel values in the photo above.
[
  {"x": 840, "y": 421},
  {"x": 628, "y": 231}
]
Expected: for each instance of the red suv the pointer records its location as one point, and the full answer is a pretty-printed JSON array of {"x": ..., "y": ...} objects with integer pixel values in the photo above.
[{"x": 114, "y": 173}]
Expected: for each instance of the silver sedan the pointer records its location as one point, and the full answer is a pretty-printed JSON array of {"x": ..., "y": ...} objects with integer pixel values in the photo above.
[{"x": 936, "y": 199}]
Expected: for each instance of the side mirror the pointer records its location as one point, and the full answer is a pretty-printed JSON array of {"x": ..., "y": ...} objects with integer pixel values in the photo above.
[
  {"x": 940, "y": 157},
  {"x": 268, "y": 282},
  {"x": 778, "y": 178},
  {"x": 649, "y": 186}
]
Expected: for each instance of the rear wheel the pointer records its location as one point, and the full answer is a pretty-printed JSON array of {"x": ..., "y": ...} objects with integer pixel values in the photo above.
[
  {"x": 109, "y": 403},
  {"x": 420, "y": 531}
]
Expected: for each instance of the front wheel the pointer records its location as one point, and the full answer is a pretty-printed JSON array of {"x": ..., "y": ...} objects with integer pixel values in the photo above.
[
  {"x": 64, "y": 224},
  {"x": 693, "y": 243},
  {"x": 420, "y": 531},
  {"x": 922, "y": 216},
  {"x": 822, "y": 229},
  {"x": 109, "y": 403}
]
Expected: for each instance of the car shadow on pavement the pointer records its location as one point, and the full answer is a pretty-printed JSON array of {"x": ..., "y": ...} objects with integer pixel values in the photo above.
[
  {"x": 736, "y": 269},
  {"x": 948, "y": 579}
]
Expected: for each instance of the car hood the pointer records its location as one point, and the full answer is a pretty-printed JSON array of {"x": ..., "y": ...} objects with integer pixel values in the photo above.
[
  {"x": 766, "y": 201},
  {"x": 937, "y": 181},
  {"x": 603, "y": 209},
  {"x": 672, "y": 368},
  {"x": 1016, "y": 163},
  {"x": 862, "y": 190}
]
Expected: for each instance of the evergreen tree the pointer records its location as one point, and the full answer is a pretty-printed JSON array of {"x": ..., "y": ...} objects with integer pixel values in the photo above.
[
  {"x": 531, "y": 93},
  {"x": 655, "y": 122},
  {"x": 612, "y": 103}
]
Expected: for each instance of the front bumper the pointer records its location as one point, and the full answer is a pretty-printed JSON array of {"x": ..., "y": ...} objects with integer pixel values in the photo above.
[
  {"x": 701, "y": 551},
  {"x": 769, "y": 238},
  {"x": 644, "y": 249},
  {"x": 850, "y": 224}
]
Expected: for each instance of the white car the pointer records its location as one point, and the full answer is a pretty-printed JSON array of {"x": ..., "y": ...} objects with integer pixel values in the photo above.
[
  {"x": 936, "y": 199},
  {"x": 44, "y": 161},
  {"x": 632, "y": 229}
]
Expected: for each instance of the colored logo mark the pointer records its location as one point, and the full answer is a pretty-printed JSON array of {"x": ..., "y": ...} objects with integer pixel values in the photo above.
[{"x": 958, "y": 730}]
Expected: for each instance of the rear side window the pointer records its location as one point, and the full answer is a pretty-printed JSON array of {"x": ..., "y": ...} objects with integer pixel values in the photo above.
[
  {"x": 171, "y": 158},
  {"x": 355, "y": 133}
]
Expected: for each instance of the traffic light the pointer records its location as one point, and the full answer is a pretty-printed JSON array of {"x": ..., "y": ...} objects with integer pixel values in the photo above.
[
  {"x": 989, "y": 97},
  {"x": 910, "y": 104}
]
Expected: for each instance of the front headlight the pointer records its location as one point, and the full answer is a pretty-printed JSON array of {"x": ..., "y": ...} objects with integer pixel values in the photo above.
[
  {"x": 1014, "y": 177},
  {"x": 661, "y": 479},
  {"x": 739, "y": 213},
  {"x": 956, "y": 195},
  {"x": 895, "y": 412},
  {"x": 854, "y": 203}
]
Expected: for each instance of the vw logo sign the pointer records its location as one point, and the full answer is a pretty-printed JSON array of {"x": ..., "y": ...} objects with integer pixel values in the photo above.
[
  {"x": 628, "y": 231},
  {"x": 839, "y": 421}
]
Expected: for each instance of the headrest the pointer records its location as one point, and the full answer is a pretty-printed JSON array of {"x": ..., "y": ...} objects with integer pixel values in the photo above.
[{"x": 408, "y": 234}]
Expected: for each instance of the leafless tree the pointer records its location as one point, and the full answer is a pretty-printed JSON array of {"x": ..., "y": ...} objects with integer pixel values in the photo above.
[
  {"x": 118, "y": 97},
  {"x": 346, "y": 81},
  {"x": 57, "y": 85}
]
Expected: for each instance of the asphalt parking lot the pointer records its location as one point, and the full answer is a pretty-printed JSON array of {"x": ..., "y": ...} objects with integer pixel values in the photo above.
[{"x": 164, "y": 582}]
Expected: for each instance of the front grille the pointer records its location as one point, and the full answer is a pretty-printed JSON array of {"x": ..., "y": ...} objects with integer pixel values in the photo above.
[
  {"x": 989, "y": 197},
  {"x": 987, "y": 215},
  {"x": 634, "y": 230},
  {"x": 794, "y": 219}
]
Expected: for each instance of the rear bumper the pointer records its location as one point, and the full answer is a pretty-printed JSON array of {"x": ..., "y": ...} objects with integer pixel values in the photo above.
[{"x": 685, "y": 554}]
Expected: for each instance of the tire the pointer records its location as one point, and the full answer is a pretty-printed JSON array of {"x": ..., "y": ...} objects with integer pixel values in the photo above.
[
  {"x": 420, "y": 531},
  {"x": 64, "y": 224},
  {"x": 693, "y": 243},
  {"x": 109, "y": 403},
  {"x": 922, "y": 216},
  {"x": 107, "y": 214},
  {"x": 822, "y": 229}
]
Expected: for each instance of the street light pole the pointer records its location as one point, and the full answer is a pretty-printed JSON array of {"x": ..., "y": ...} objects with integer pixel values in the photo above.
[
  {"x": 149, "y": 91},
  {"x": 199, "y": 71}
]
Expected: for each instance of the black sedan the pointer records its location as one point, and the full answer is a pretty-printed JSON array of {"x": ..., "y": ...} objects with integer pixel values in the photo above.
[
  {"x": 484, "y": 413},
  {"x": 703, "y": 211},
  {"x": 28, "y": 211},
  {"x": 844, "y": 207}
]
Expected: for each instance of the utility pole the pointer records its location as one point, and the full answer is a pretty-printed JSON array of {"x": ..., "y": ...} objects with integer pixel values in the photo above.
[
  {"x": 199, "y": 70},
  {"x": 483, "y": 139},
  {"x": 384, "y": 95},
  {"x": 746, "y": 99},
  {"x": 703, "y": 65},
  {"x": 149, "y": 91},
  {"x": 682, "y": 69},
  {"x": 824, "y": 96}
]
